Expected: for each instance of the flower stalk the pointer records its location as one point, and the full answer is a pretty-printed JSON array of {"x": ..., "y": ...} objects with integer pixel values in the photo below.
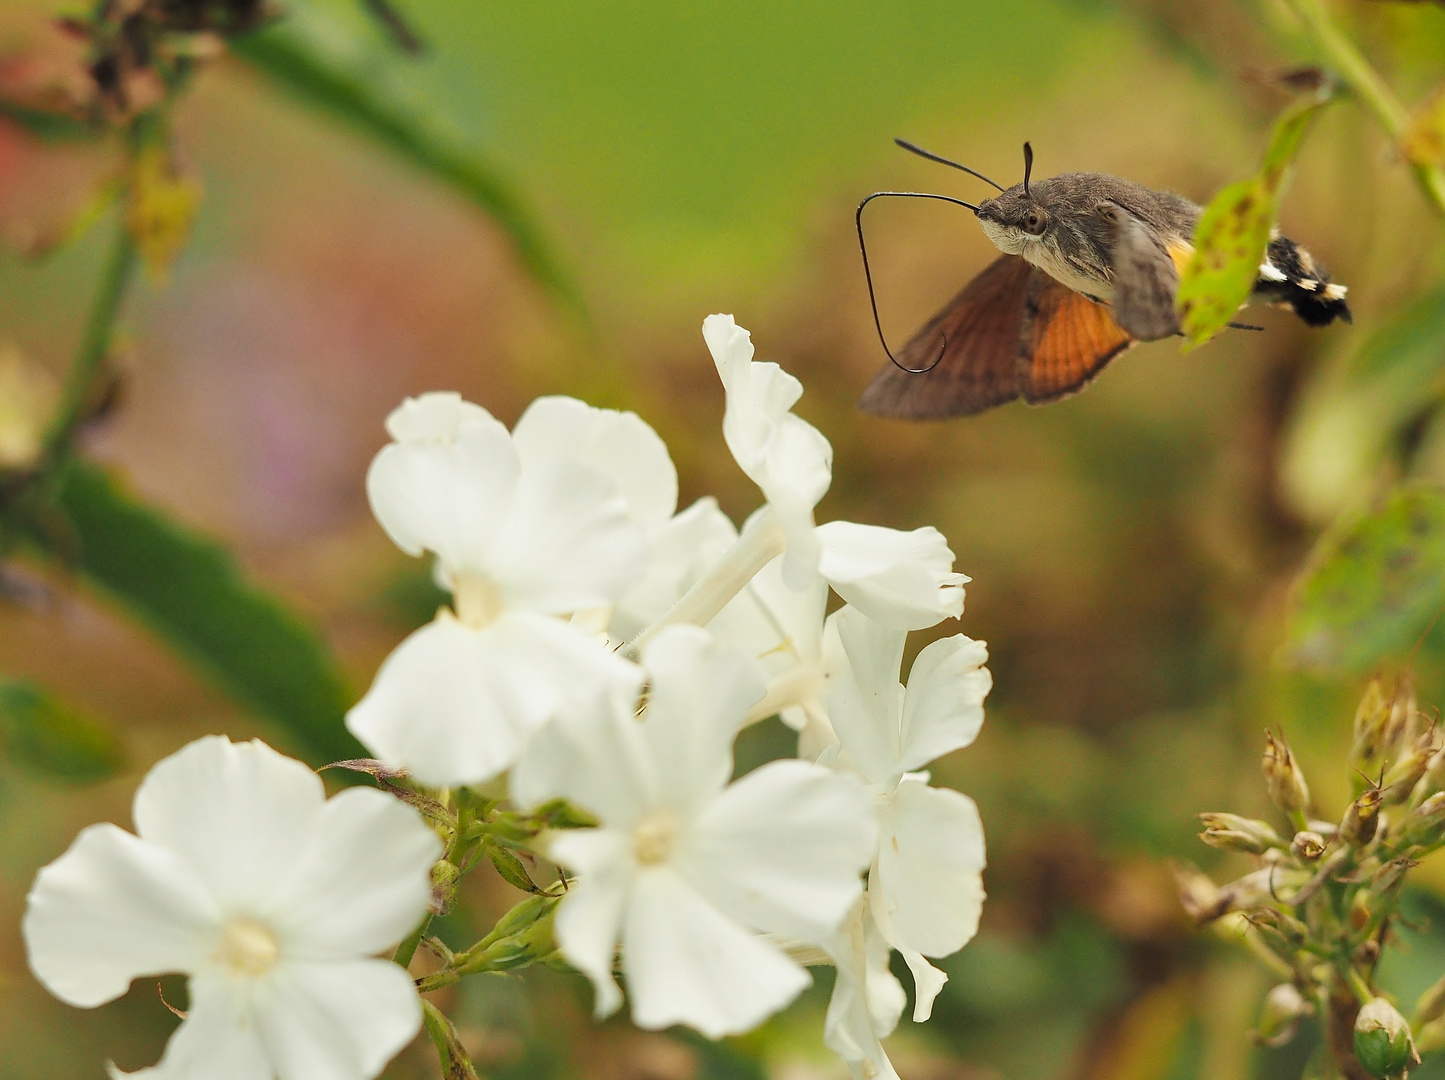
[{"x": 1348, "y": 62}]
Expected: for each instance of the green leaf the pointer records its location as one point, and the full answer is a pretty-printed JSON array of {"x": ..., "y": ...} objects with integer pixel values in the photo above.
[
  {"x": 188, "y": 589},
  {"x": 52, "y": 739},
  {"x": 1372, "y": 587},
  {"x": 455, "y": 1063},
  {"x": 1233, "y": 232},
  {"x": 358, "y": 77}
]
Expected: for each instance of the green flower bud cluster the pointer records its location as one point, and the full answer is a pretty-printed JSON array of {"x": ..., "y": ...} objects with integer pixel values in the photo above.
[{"x": 1319, "y": 907}]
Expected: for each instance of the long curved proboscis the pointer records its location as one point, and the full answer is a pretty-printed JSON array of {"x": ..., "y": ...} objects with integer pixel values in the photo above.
[
  {"x": 914, "y": 148},
  {"x": 868, "y": 273}
]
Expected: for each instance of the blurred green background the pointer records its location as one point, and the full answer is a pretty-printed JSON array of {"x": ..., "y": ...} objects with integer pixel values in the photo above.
[{"x": 1131, "y": 549}]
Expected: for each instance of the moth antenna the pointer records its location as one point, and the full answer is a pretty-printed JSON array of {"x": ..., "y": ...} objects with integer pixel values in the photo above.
[
  {"x": 914, "y": 148},
  {"x": 868, "y": 273},
  {"x": 1028, "y": 165}
]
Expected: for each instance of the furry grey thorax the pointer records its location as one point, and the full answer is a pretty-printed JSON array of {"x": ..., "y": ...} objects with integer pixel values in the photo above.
[{"x": 1056, "y": 225}]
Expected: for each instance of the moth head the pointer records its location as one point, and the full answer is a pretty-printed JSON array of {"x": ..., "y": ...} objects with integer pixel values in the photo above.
[{"x": 1016, "y": 218}]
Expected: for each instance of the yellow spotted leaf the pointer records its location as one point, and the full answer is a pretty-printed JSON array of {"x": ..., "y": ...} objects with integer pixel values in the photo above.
[
  {"x": 1234, "y": 231},
  {"x": 161, "y": 208}
]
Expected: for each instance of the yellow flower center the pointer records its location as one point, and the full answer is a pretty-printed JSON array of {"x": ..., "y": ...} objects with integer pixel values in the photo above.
[
  {"x": 476, "y": 600},
  {"x": 247, "y": 947},
  {"x": 654, "y": 838}
]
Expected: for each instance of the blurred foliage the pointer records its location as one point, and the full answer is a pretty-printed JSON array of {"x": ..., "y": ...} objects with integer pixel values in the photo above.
[
  {"x": 1132, "y": 550},
  {"x": 188, "y": 589},
  {"x": 1374, "y": 587},
  {"x": 42, "y": 734}
]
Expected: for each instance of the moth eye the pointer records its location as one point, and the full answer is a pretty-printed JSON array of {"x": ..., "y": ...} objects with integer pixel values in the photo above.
[{"x": 1034, "y": 223}]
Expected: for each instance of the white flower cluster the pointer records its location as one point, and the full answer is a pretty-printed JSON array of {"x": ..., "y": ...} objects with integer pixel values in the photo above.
[{"x": 604, "y": 649}]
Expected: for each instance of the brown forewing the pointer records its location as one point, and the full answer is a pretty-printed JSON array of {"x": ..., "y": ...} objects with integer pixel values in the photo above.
[
  {"x": 1067, "y": 339},
  {"x": 979, "y": 335}
]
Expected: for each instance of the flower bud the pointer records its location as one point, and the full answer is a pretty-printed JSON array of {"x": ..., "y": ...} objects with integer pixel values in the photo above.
[
  {"x": 1383, "y": 1045},
  {"x": 1400, "y": 780},
  {"x": 1280, "y": 1014},
  {"x": 1282, "y": 776},
  {"x": 1358, "y": 916},
  {"x": 1230, "y": 832},
  {"x": 1358, "y": 825},
  {"x": 1307, "y": 845},
  {"x": 444, "y": 879},
  {"x": 1371, "y": 718}
]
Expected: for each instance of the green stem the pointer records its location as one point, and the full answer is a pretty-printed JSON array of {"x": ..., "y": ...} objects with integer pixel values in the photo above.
[
  {"x": 95, "y": 346},
  {"x": 407, "y": 949},
  {"x": 1368, "y": 86},
  {"x": 1357, "y": 984}
]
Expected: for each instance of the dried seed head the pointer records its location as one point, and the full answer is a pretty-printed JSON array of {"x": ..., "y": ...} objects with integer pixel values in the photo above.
[
  {"x": 1307, "y": 845},
  {"x": 1371, "y": 717},
  {"x": 1358, "y": 825},
  {"x": 1283, "y": 777},
  {"x": 1230, "y": 832}
]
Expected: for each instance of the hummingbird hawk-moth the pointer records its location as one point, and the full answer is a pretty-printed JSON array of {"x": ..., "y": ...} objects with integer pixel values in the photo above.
[{"x": 1090, "y": 265}]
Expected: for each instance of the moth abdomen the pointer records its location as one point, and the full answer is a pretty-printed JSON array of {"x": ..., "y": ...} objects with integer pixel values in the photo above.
[{"x": 1291, "y": 278}]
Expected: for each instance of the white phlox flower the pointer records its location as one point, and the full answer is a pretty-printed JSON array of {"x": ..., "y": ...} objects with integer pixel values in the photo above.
[
  {"x": 272, "y": 898},
  {"x": 925, "y": 885},
  {"x": 787, "y": 457},
  {"x": 683, "y": 550},
  {"x": 782, "y": 629},
  {"x": 905, "y": 580},
  {"x": 548, "y": 522},
  {"x": 867, "y": 999},
  {"x": 684, "y": 868}
]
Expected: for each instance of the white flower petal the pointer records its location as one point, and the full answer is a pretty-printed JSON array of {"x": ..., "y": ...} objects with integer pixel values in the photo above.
[
  {"x": 867, "y": 1000},
  {"x": 781, "y": 849},
  {"x": 864, "y": 700},
  {"x": 784, "y": 455},
  {"x": 593, "y": 755},
  {"x": 435, "y": 416},
  {"x": 240, "y": 815},
  {"x": 113, "y": 908},
  {"x": 589, "y": 919},
  {"x": 456, "y": 705},
  {"x": 337, "y": 1021},
  {"x": 569, "y": 543},
  {"x": 217, "y": 1040},
  {"x": 926, "y": 888},
  {"x": 927, "y": 982},
  {"x": 365, "y": 883},
  {"x": 774, "y": 623},
  {"x": 450, "y": 497},
  {"x": 687, "y": 963},
  {"x": 682, "y": 550},
  {"x": 699, "y": 695},
  {"x": 943, "y": 707},
  {"x": 619, "y": 444},
  {"x": 903, "y": 579}
]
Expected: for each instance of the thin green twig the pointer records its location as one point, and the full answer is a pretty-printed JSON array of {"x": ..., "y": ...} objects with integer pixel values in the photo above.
[
  {"x": 95, "y": 345},
  {"x": 1347, "y": 61}
]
